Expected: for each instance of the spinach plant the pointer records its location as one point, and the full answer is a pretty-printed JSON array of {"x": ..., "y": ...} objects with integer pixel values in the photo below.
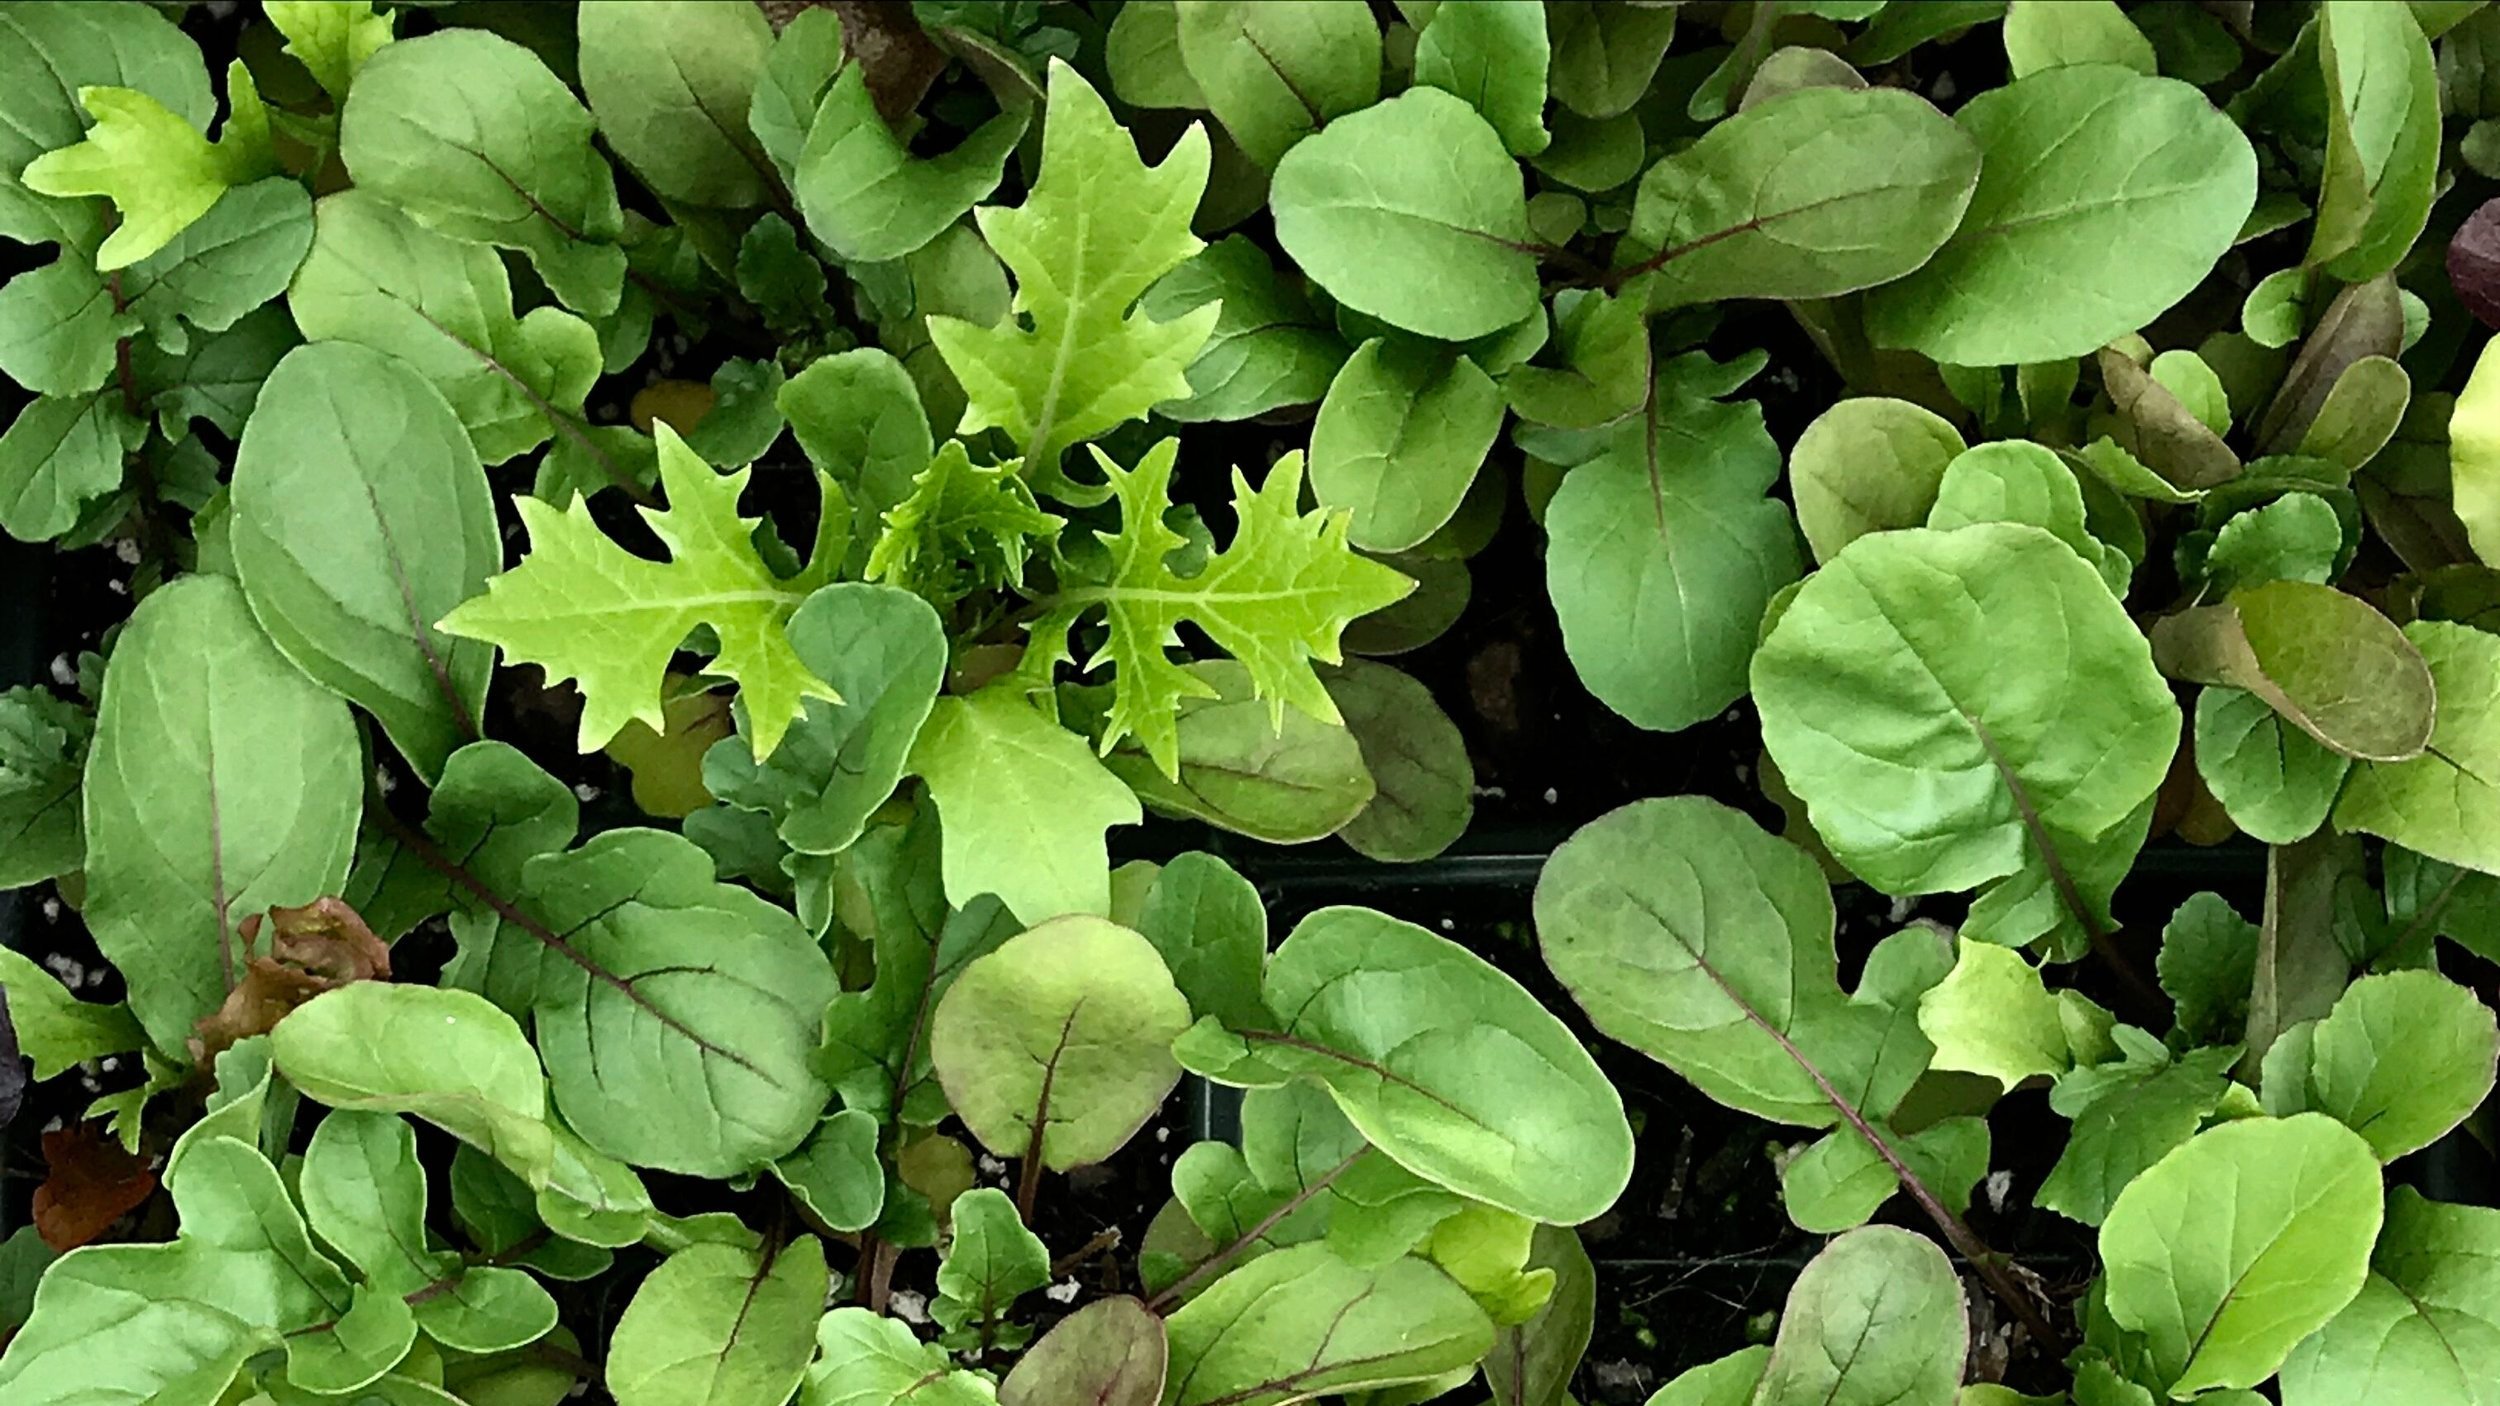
[{"x": 900, "y": 446}]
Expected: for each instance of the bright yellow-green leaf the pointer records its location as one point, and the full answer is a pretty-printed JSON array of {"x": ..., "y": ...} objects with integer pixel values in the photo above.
[
  {"x": 1098, "y": 229},
  {"x": 159, "y": 171},
  {"x": 1277, "y": 598},
  {"x": 333, "y": 38},
  {"x": 587, "y": 609}
]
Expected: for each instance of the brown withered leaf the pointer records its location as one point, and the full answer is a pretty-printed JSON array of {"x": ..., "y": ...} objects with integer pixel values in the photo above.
[
  {"x": 318, "y": 947},
  {"x": 93, "y": 1183}
]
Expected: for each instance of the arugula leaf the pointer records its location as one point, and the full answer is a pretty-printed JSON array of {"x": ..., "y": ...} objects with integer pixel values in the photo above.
[
  {"x": 1477, "y": 1088},
  {"x": 868, "y": 1359},
  {"x": 1439, "y": 248},
  {"x": 991, "y": 1260},
  {"x": 1819, "y": 193},
  {"x": 719, "y": 1323},
  {"x": 868, "y": 198},
  {"x": 1277, "y": 597},
  {"x": 2037, "y": 771},
  {"x": 1877, "y": 1317},
  {"x": 2424, "y": 1319},
  {"x": 1605, "y": 55},
  {"x": 469, "y": 133},
  {"x": 2443, "y": 802},
  {"x": 1275, "y": 71},
  {"x": 360, "y": 517},
  {"x": 1664, "y": 555},
  {"x": 586, "y": 609},
  {"x": 2403, "y": 1057},
  {"x": 2103, "y": 199},
  {"x": 1399, "y": 439},
  {"x": 1868, "y": 464},
  {"x": 197, "y": 814},
  {"x": 376, "y": 277},
  {"x": 2127, "y": 1116},
  {"x": 1096, "y": 231},
  {"x": 670, "y": 84},
  {"x": 58, "y": 327},
  {"x": 1270, "y": 347},
  {"x": 1284, "y": 782},
  {"x": 59, "y": 454},
  {"x": 1302, "y": 1322},
  {"x": 55, "y": 1029}
]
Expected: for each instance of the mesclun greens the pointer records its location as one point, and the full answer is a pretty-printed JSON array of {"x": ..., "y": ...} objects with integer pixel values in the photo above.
[{"x": 905, "y": 445}]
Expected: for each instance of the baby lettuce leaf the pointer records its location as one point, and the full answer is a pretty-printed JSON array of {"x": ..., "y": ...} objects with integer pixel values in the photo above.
[
  {"x": 1399, "y": 439},
  {"x": 468, "y": 132},
  {"x": 2442, "y": 803},
  {"x": 1275, "y": 71},
  {"x": 1270, "y": 348},
  {"x": 868, "y": 198},
  {"x": 1877, "y": 1318},
  {"x": 670, "y": 84},
  {"x": 2403, "y": 1057},
  {"x": 857, "y": 416},
  {"x": 1210, "y": 926},
  {"x": 868, "y": 1359},
  {"x": 586, "y": 609},
  {"x": 1474, "y": 1086},
  {"x": 2052, "y": 33},
  {"x": 360, "y": 518},
  {"x": 221, "y": 782},
  {"x": 1109, "y": 1353},
  {"x": 1691, "y": 934},
  {"x": 1495, "y": 57},
  {"x": 2427, "y": 1320},
  {"x": 2326, "y": 661},
  {"x": 1900, "y": 656},
  {"x": 1993, "y": 1016},
  {"x": 1842, "y": 1180},
  {"x": 58, "y": 327},
  {"x": 332, "y": 41},
  {"x": 1438, "y": 247},
  {"x": 1024, "y": 804},
  {"x": 1663, "y": 556},
  {"x": 2382, "y": 139},
  {"x": 1532, "y": 1362},
  {"x": 1276, "y": 598},
  {"x": 448, "y": 1057},
  {"x": 2220, "y": 1296},
  {"x": 1302, "y": 1322},
  {"x": 1604, "y": 56},
  {"x": 2017, "y": 481},
  {"x": 884, "y": 651},
  {"x": 1818, "y": 193},
  {"x": 160, "y": 171},
  {"x": 375, "y": 276},
  {"x": 678, "y": 1016},
  {"x": 2104, "y": 197},
  {"x": 1057, "y": 1044},
  {"x": 54, "y": 1029},
  {"x": 720, "y": 1323},
  {"x": 836, "y": 1174},
  {"x": 1096, "y": 231},
  {"x": 1868, "y": 464}
]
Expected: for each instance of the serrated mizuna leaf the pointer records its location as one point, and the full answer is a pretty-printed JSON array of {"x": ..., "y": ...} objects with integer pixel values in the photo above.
[
  {"x": 1098, "y": 229},
  {"x": 198, "y": 814},
  {"x": 1276, "y": 598},
  {"x": 587, "y": 609}
]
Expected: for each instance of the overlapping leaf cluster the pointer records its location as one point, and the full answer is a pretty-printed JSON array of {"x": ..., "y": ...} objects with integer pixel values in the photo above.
[{"x": 914, "y": 442}]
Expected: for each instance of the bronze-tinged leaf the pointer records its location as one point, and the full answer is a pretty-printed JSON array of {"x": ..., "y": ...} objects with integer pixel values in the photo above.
[
  {"x": 1108, "y": 1353},
  {"x": 318, "y": 947},
  {"x": 93, "y": 1183},
  {"x": 2474, "y": 263}
]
